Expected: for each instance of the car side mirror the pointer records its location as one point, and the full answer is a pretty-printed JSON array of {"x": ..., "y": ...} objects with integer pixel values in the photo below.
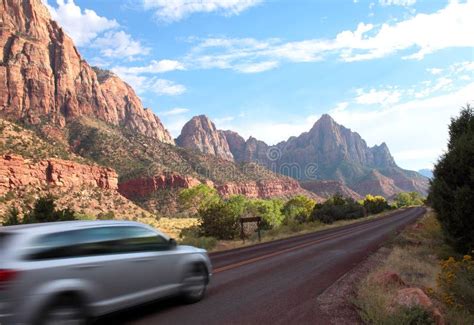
[{"x": 173, "y": 243}]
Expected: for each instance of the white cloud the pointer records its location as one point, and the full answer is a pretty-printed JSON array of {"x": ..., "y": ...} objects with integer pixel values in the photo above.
[
  {"x": 419, "y": 124},
  {"x": 82, "y": 25},
  {"x": 403, "y": 3},
  {"x": 174, "y": 111},
  {"x": 154, "y": 67},
  {"x": 174, "y": 10},
  {"x": 223, "y": 120},
  {"x": 435, "y": 71},
  {"x": 166, "y": 87},
  {"x": 382, "y": 97},
  {"x": 416, "y": 36},
  {"x": 119, "y": 44}
]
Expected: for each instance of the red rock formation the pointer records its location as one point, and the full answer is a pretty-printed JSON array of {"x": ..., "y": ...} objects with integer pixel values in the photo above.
[
  {"x": 262, "y": 189},
  {"x": 410, "y": 297},
  {"x": 201, "y": 134},
  {"x": 326, "y": 189},
  {"x": 17, "y": 172},
  {"x": 42, "y": 75},
  {"x": 142, "y": 187}
]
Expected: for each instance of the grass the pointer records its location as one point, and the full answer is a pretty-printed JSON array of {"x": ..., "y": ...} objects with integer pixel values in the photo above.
[
  {"x": 287, "y": 231},
  {"x": 423, "y": 260}
]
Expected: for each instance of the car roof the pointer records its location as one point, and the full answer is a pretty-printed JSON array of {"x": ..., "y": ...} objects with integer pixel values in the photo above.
[{"x": 50, "y": 227}]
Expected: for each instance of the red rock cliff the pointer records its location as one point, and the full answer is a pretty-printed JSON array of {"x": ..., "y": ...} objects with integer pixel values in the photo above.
[
  {"x": 42, "y": 75},
  {"x": 17, "y": 172}
]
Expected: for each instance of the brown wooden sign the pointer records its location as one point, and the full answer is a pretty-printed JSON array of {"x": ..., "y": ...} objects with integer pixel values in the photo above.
[{"x": 258, "y": 220}]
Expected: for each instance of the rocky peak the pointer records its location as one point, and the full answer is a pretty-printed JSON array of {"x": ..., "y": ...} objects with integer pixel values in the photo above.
[
  {"x": 382, "y": 156},
  {"x": 43, "y": 77},
  {"x": 201, "y": 134}
]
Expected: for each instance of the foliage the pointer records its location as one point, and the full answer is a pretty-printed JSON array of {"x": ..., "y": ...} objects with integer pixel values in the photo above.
[
  {"x": 452, "y": 186},
  {"x": 298, "y": 209},
  {"x": 406, "y": 199},
  {"x": 268, "y": 210},
  {"x": 219, "y": 220},
  {"x": 375, "y": 204},
  {"x": 198, "y": 197},
  {"x": 192, "y": 236},
  {"x": 12, "y": 217},
  {"x": 414, "y": 315},
  {"x": 44, "y": 210},
  {"x": 337, "y": 208},
  {"x": 457, "y": 280}
]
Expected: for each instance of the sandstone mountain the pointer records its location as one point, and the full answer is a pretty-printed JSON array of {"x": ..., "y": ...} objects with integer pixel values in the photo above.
[
  {"x": 326, "y": 189},
  {"x": 201, "y": 134},
  {"x": 328, "y": 151},
  {"x": 43, "y": 77}
]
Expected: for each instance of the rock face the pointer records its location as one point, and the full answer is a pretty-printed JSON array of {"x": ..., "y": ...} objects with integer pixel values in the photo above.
[
  {"x": 43, "y": 76},
  {"x": 17, "y": 172},
  {"x": 326, "y": 189},
  {"x": 327, "y": 152},
  {"x": 261, "y": 189},
  {"x": 142, "y": 187},
  {"x": 201, "y": 134}
]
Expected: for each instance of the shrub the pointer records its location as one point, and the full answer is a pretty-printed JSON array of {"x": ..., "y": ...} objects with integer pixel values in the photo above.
[
  {"x": 414, "y": 315},
  {"x": 375, "y": 204},
  {"x": 218, "y": 220},
  {"x": 44, "y": 210},
  {"x": 268, "y": 210},
  {"x": 298, "y": 209},
  {"x": 452, "y": 186},
  {"x": 197, "y": 197},
  {"x": 12, "y": 217},
  {"x": 337, "y": 208},
  {"x": 406, "y": 199}
]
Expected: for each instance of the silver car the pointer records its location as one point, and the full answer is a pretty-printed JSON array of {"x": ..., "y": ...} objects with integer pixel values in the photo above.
[{"x": 71, "y": 272}]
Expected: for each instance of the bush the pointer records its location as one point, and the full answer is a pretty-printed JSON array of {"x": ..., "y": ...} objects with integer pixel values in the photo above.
[
  {"x": 337, "y": 208},
  {"x": 192, "y": 236},
  {"x": 406, "y": 199},
  {"x": 457, "y": 280},
  {"x": 375, "y": 204},
  {"x": 197, "y": 197},
  {"x": 414, "y": 315},
  {"x": 219, "y": 220},
  {"x": 12, "y": 217},
  {"x": 268, "y": 210},
  {"x": 452, "y": 186},
  {"x": 298, "y": 210}
]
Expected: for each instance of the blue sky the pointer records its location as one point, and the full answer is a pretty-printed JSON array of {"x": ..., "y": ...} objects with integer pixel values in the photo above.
[{"x": 395, "y": 71}]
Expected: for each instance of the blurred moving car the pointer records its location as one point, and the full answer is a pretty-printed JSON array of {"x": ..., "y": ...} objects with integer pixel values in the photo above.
[{"x": 70, "y": 272}]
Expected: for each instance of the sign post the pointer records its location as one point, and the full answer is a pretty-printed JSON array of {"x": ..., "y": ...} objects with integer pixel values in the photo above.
[{"x": 258, "y": 220}]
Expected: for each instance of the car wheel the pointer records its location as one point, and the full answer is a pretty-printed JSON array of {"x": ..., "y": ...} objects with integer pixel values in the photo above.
[
  {"x": 195, "y": 283},
  {"x": 64, "y": 311}
]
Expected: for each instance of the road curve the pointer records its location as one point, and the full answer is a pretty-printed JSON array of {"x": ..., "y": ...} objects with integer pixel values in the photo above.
[{"x": 276, "y": 282}]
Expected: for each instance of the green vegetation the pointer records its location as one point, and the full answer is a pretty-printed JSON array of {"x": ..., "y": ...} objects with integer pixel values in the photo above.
[
  {"x": 337, "y": 208},
  {"x": 44, "y": 210},
  {"x": 422, "y": 259},
  {"x": 219, "y": 217},
  {"x": 406, "y": 199},
  {"x": 452, "y": 187}
]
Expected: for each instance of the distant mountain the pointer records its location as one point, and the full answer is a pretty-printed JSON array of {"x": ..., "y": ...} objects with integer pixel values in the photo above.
[
  {"x": 328, "y": 151},
  {"x": 426, "y": 172}
]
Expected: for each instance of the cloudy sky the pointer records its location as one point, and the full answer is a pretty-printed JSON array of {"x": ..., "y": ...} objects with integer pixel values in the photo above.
[{"x": 395, "y": 71}]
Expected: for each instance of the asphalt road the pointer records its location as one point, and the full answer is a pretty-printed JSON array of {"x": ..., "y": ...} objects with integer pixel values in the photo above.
[{"x": 276, "y": 282}]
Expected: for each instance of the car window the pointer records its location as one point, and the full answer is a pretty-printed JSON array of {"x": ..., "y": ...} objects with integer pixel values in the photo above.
[
  {"x": 97, "y": 241},
  {"x": 4, "y": 238}
]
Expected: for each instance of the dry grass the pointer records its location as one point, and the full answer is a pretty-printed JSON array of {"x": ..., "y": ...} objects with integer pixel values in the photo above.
[
  {"x": 174, "y": 226},
  {"x": 416, "y": 255},
  {"x": 290, "y": 231}
]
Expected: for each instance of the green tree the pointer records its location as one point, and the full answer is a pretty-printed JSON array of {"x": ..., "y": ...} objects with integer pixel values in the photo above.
[
  {"x": 12, "y": 217},
  {"x": 44, "y": 210},
  {"x": 219, "y": 220},
  {"x": 337, "y": 208},
  {"x": 268, "y": 210},
  {"x": 405, "y": 199},
  {"x": 452, "y": 186},
  {"x": 298, "y": 209},
  {"x": 197, "y": 197}
]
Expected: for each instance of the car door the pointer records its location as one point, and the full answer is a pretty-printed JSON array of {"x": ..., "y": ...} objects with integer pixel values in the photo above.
[{"x": 157, "y": 261}]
